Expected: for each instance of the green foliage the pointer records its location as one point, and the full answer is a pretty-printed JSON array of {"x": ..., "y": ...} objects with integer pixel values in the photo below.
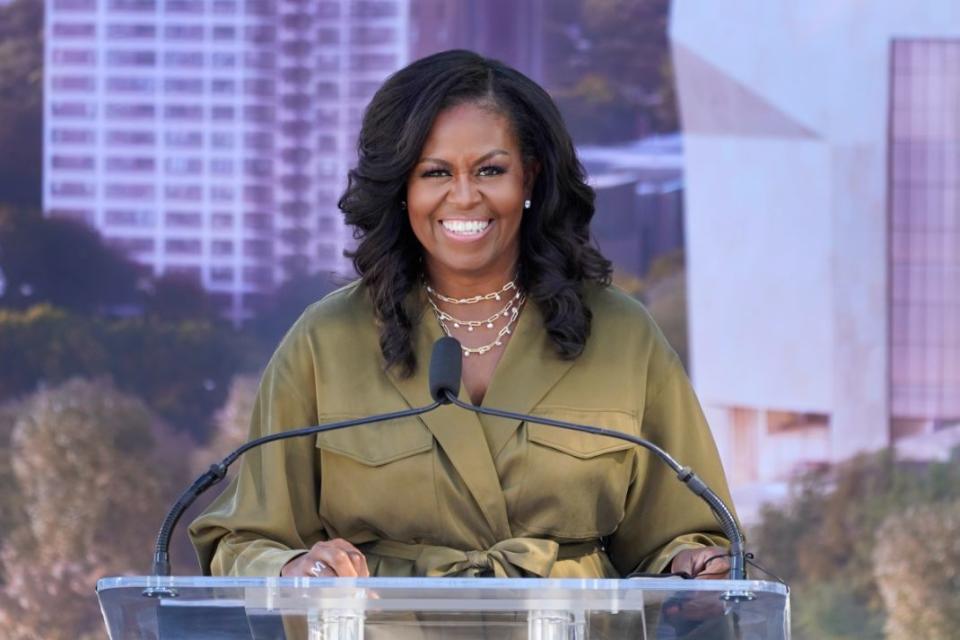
[
  {"x": 180, "y": 369},
  {"x": 21, "y": 101},
  {"x": 62, "y": 262},
  {"x": 826, "y": 536}
]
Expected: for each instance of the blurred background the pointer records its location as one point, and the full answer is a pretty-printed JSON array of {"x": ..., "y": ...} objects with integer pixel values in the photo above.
[{"x": 778, "y": 182}]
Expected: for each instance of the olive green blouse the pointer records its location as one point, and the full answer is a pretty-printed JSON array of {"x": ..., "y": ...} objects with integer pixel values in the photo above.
[{"x": 454, "y": 494}]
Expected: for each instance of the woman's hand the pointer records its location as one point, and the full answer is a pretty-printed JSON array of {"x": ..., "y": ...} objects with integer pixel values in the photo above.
[
  {"x": 328, "y": 559},
  {"x": 708, "y": 563}
]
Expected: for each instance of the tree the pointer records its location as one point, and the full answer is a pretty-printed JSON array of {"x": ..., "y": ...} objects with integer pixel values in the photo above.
[
  {"x": 180, "y": 369},
  {"x": 62, "y": 262},
  {"x": 280, "y": 309},
  {"x": 613, "y": 75},
  {"x": 917, "y": 566},
  {"x": 79, "y": 454},
  {"x": 21, "y": 102},
  {"x": 822, "y": 542}
]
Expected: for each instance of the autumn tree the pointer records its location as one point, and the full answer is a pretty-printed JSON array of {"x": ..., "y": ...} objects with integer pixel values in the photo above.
[
  {"x": 917, "y": 566},
  {"x": 81, "y": 455}
]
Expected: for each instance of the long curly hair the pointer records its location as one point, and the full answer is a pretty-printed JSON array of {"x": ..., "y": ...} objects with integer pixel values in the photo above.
[{"x": 557, "y": 256}]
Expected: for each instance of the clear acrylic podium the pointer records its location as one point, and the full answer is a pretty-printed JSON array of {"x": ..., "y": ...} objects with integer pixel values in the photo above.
[{"x": 428, "y": 608}]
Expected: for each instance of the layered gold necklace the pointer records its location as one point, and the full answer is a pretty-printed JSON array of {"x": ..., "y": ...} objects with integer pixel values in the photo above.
[{"x": 507, "y": 314}]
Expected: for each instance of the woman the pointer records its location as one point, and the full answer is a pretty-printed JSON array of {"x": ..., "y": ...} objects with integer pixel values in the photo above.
[{"x": 472, "y": 215}]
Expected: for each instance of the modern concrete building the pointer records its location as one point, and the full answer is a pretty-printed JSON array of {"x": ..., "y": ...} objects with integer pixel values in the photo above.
[
  {"x": 213, "y": 137},
  {"x": 822, "y": 144}
]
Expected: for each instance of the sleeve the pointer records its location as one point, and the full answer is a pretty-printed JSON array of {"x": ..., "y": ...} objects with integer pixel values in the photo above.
[
  {"x": 662, "y": 516},
  {"x": 268, "y": 513}
]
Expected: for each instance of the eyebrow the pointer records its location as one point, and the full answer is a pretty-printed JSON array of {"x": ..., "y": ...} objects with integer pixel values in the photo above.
[{"x": 483, "y": 158}]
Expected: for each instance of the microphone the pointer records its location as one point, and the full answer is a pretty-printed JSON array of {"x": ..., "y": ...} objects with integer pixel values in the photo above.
[
  {"x": 444, "y": 375},
  {"x": 445, "y": 369},
  {"x": 685, "y": 474}
]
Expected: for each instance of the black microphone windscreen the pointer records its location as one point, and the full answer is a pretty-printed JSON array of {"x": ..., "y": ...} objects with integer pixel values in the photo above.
[{"x": 445, "y": 365}]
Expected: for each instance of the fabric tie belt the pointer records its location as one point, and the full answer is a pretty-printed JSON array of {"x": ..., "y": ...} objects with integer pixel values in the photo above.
[{"x": 511, "y": 558}]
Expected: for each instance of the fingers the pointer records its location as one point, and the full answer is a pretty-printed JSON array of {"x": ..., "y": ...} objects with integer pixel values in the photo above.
[
  {"x": 341, "y": 558},
  {"x": 711, "y": 563},
  {"x": 706, "y": 563}
]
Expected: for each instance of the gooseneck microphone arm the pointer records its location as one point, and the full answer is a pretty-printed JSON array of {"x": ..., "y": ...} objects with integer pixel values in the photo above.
[
  {"x": 446, "y": 358},
  {"x": 216, "y": 473},
  {"x": 443, "y": 375}
]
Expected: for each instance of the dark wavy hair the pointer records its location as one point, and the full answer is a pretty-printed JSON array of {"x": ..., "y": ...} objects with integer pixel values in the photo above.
[{"x": 556, "y": 254}]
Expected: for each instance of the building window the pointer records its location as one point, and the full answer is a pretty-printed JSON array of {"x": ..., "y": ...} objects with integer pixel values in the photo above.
[
  {"x": 221, "y": 32},
  {"x": 222, "y": 113},
  {"x": 924, "y": 231},
  {"x": 74, "y": 5},
  {"x": 130, "y": 85},
  {"x": 76, "y": 163},
  {"x": 130, "y": 217},
  {"x": 184, "y": 32},
  {"x": 187, "y": 192},
  {"x": 183, "y": 85},
  {"x": 130, "y": 111},
  {"x": 221, "y": 221},
  {"x": 78, "y": 57},
  {"x": 130, "y": 165},
  {"x": 223, "y": 87},
  {"x": 221, "y": 166},
  {"x": 74, "y": 29},
  {"x": 139, "y": 191},
  {"x": 133, "y": 5},
  {"x": 181, "y": 166},
  {"x": 184, "y": 139},
  {"x": 221, "y": 193},
  {"x": 131, "y": 58},
  {"x": 131, "y": 138},
  {"x": 73, "y": 189},
  {"x": 131, "y": 31},
  {"x": 221, "y": 247},
  {"x": 73, "y": 83},
  {"x": 184, "y": 59},
  {"x": 72, "y": 136},
  {"x": 187, "y": 219},
  {"x": 182, "y": 246},
  {"x": 133, "y": 245},
  {"x": 83, "y": 110},
  {"x": 221, "y": 274},
  {"x": 183, "y": 112}
]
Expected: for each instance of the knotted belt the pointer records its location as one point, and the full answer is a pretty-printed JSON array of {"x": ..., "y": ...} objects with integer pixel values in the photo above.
[{"x": 511, "y": 558}]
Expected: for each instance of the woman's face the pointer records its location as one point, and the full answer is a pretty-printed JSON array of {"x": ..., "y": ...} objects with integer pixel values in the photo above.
[{"x": 465, "y": 196}]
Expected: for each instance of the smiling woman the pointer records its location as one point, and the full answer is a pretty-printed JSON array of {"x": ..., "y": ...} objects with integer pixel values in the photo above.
[{"x": 472, "y": 216}]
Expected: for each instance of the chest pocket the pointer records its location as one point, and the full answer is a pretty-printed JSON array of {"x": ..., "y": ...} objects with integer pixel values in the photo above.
[
  {"x": 377, "y": 479},
  {"x": 575, "y": 484}
]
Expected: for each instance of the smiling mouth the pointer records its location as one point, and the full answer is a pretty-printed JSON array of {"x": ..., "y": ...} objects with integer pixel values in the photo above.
[{"x": 465, "y": 227}]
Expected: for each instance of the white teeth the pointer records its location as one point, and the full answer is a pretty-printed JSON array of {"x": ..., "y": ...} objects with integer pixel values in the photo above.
[{"x": 465, "y": 227}]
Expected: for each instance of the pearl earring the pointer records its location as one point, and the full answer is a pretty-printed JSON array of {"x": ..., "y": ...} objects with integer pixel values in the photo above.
[
  {"x": 526, "y": 204},
  {"x": 403, "y": 205}
]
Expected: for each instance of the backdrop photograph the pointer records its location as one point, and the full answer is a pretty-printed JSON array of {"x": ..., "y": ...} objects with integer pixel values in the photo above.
[{"x": 776, "y": 185}]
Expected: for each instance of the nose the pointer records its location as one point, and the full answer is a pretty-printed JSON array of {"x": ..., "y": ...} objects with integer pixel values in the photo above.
[{"x": 463, "y": 192}]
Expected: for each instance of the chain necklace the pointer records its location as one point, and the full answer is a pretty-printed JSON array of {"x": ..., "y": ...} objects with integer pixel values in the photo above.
[
  {"x": 475, "y": 299},
  {"x": 496, "y": 342},
  {"x": 474, "y": 324}
]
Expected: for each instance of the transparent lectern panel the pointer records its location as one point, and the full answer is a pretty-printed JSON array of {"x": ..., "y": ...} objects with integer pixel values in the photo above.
[{"x": 434, "y": 608}]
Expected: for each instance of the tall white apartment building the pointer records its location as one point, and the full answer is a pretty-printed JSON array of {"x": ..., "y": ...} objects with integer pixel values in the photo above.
[{"x": 213, "y": 137}]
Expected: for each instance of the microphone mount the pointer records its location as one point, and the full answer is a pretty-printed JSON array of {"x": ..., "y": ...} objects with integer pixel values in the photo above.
[{"x": 728, "y": 523}]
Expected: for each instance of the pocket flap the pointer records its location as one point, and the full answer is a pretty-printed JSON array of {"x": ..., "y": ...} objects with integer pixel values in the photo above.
[
  {"x": 376, "y": 444},
  {"x": 578, "y": 443}
]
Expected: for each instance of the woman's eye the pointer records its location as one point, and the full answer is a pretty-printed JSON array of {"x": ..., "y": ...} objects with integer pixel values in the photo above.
[
  {"x": 491, "y": 170},
  {"x": 434, "y": 173}
]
